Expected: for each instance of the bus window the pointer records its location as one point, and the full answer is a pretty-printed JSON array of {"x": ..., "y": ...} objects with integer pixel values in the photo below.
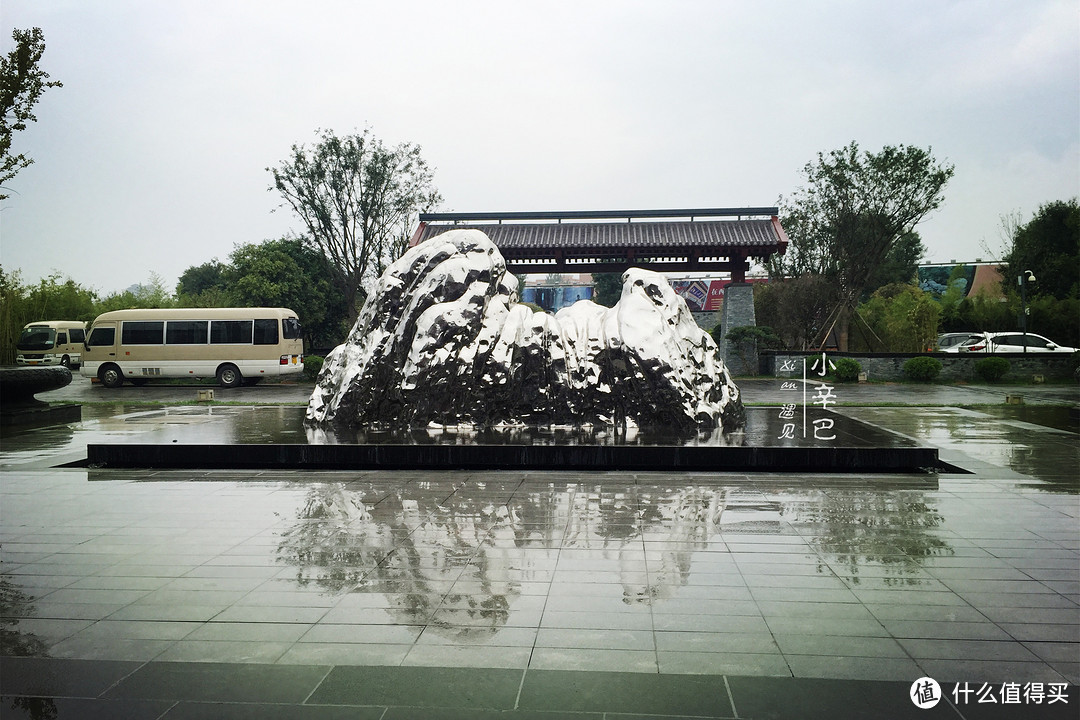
[
  {"x": 102, "y": 337},
  {"x": 77, "y": 335},
  {"x": 186, "y": 332},
  {"x": 61, "y": 338},
  {"x": 290, "y": 328},
  {"x": 266, "y": 332},
  {"x": 230, "y": 332},
  {"x": 142, "y": 332}
]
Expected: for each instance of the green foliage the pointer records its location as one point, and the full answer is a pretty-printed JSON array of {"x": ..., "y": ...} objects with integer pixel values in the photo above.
[
  {"x": 607, "y": 288},
  {"x": 358, "y": 200},
  {"x": 312, "y": 367},
  {"x": 923, "y": 368},
  {"x": 1055, "y": 318},
  {"x": 984, "y": 313},
  {"x": 796, "y": 309},
  {"x": 764, "y": 336},
  {"x": 847, "y": 370},
  {"x": 901, "y": 263},
  {"x": 198, "y": 279},
  {"x": 52, "y": 298},
  {"x": 275, "y": 273},
  {"x": 991, "y": 369},
  {"x": 851, "y": 214},
  {"x": 855, "y": 207},
  {"x": 897, "y": 318},
  {"x": 1048, "y": 246},
  {"x": 950, "y": 300},
  {"x": 210, "y": 297},
  {"x": 747, "y": 340},
  {"x": 21, "y": 84}
]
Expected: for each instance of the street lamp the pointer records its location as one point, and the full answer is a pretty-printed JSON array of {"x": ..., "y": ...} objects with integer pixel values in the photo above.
[{"x": 1022, "y": 282}]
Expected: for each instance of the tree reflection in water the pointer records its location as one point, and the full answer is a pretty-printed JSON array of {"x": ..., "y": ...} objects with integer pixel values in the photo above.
[
  {"x": 891, "y": 530},
  {"x": 453, "y": 558},
  {"x": 14, "y": 606}
]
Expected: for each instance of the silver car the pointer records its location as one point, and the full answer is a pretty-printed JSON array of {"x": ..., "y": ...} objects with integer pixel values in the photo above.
[{"x": 1011, "y": 342}]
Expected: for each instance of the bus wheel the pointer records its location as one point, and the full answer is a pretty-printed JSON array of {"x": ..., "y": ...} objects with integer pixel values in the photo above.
[
  {"x": 111, "y": 376},
  {"x": 228, "y": 376},
  {"x": 66, "y": 362}
]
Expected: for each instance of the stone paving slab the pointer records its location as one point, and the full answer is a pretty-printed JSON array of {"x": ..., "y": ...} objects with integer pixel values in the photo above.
[
  {"x": 224, "y": 690},
  {"x": 146, "y": 593}
]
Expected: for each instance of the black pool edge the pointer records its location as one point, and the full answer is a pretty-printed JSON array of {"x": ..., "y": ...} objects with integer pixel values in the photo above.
[{"x": 516, "y": 457}]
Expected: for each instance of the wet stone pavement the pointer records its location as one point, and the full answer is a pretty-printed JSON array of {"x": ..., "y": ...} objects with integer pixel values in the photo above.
[{"x": 282, "y": 594}]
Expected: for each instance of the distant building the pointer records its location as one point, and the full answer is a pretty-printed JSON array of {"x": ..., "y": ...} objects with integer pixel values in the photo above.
[{"x": 555, "y": 291}]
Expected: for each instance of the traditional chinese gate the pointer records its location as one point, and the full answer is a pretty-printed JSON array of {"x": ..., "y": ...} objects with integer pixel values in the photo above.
[
  {"x": 702, "y": 240},
  {"x": 592, "y": 241}
]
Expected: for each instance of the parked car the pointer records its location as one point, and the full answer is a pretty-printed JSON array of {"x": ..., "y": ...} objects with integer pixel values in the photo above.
[
  {"x": 946, "y": 341},
  {"x": 1012, "y": 342}
]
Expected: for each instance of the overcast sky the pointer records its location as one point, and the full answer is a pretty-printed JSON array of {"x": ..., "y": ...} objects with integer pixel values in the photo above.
[{"x": 152, "y": 157}]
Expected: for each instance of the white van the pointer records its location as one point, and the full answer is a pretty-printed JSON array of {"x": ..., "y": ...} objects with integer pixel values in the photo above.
[
  {"x": 51, "y": 342},
  {"x": 238, "y": 346}
]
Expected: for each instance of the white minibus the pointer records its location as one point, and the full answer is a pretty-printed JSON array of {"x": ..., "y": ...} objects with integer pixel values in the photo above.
[
  {"x": 51, "y": 342},
  {"x": 235, "y": 345}
]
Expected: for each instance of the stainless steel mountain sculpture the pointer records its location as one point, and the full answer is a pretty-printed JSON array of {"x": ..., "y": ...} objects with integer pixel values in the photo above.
[{"x": 443, "y": 341}]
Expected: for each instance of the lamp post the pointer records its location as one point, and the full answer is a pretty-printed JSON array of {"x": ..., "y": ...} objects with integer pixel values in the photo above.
[{"x": 1022, "y": 281}]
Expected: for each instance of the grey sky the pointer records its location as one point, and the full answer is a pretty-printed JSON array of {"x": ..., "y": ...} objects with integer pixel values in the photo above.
[{"x": 152, "y": 156}]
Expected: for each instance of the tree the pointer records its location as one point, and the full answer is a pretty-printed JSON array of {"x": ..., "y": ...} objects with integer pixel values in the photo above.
[
  {"x": 52, "y": 298},
  {"x": 1049, "y": 246},
  {"x": 853, "y": 210},
  {"x": 796, "y": 309},
  {"x": 21, "y": 84},
  {"x": 198, "y": 279},
  {"x": 287, "y": 273},
  {"x": 276, "y": 273},
  {"x": 901, "y": 264},
  {"x": 898, "y": 317},
  {"x": 358, "y": 200},
  {"x": 607, "y": 288}
]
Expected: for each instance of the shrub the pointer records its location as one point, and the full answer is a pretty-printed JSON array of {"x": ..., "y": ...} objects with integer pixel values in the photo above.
[
  {"x": 312, "y": 366},
  {"x": 847, "y": 370},
  {"x": 991, "y": 368},
  {"x": 746, "y": 341},
  {"x": 923, "y": 369}
]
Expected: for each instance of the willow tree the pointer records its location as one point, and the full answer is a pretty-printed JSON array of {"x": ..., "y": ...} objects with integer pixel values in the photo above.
[
  {"x": 358, "y": 200},
  {"x": 851, "y": 213}
]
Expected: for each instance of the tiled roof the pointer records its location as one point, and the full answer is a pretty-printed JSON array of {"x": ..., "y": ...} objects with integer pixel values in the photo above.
[
  {"x": 662, "y": 240},
  {"x": 710, "y": 237}
]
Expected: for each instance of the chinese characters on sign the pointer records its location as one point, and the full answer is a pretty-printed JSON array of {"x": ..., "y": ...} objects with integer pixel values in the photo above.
[
  {"x": 1010, "y": 693},
  {"x": 925, "y": 693},
  {"x": 823, "y": 396}
]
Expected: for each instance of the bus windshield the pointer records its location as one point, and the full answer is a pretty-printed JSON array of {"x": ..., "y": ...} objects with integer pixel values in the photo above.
[{"x": 37, "y": 338}]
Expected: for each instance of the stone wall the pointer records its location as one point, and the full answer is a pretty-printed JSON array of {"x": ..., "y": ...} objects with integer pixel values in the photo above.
[
  {"x": 954, "y": 367},
  {"x": 738, "y": 311}
]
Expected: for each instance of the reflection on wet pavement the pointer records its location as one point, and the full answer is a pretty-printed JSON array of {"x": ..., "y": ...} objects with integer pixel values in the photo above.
[
  {"x": 643, "y": 573},
  {"x": 145, "y": 573},
  {"x": 1036, "y": 442}
]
